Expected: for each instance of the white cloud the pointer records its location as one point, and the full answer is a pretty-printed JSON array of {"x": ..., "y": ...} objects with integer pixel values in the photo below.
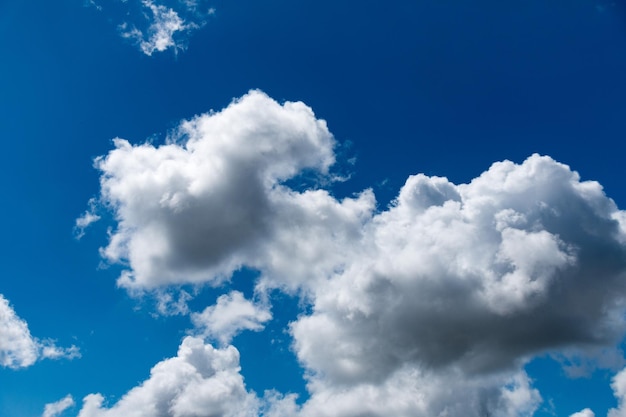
[
  {"x": 169, "y": 305},
  {"x": 199, "y": 381},
  {"x": 197, "y": 208},
  {"x": 88, "y": 217},
  {"x": 619, "y": 390},
  {"x": 167, "y": 27},
  {"x": 478, "y": 276},
  {"x": 18, "y": 349},
  {"x": 160, "y": 34},
  {"x": 230, "y": 315},
  {"x": 56, "y": 408},
  {"x": 584, "y": 413},
  {"x": 430, "y": 307}
]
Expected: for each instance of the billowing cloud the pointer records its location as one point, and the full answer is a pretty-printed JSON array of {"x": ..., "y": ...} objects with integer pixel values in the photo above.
[
  {"x": 524, "y": 259},
  {"x": 199, "y": 381},
  {"x": 18, "y": 348},
  {"x": 428, "y": 308},
  {"x": 212, "y": 199},
  {"x": 56, "y": 408},
  {"x": 231, "y": 314}
]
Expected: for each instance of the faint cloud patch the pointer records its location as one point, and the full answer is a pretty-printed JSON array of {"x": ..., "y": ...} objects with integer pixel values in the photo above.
[
  {"x": 56, "y": 408},
  {"x": 156, "y": 26},
  {"x": 161, "y": 34},
  {"x": 86, "y": 219}
]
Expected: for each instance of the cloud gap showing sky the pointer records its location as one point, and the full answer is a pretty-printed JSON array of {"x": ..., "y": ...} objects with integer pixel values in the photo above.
[{"x": 428, "y": 307}]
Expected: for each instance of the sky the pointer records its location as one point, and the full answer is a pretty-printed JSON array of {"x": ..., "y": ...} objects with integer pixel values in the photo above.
[{"x": 293, "y": 209}]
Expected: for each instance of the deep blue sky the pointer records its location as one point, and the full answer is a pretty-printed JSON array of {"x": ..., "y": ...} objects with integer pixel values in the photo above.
[{"x": 437, "y": 87}]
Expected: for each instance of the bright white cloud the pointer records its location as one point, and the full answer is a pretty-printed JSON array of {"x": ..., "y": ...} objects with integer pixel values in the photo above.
[
  {"x": 211, "y": 200},
  {"x": 584, "y": 413},
  {"x": 56, "y": 408},
  {"x": 451, "y": 286},
  {"x": 18, "y": 348},
  {"x": 231, "y": 314},
  {"x": 199, "y": 381}
]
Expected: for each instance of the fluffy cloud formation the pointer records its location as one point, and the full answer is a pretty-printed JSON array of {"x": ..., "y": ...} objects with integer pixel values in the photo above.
[
  {"x": 524, "y": 259},
  {"x": 199, "y": 381},
  {"x": 18, "y": 349},
  {"x": 204, "y": 381},
  {"x": 56, "y": 408},
  {"x": 232, "y": 314},
  {"x": 428, "y": 308},
  {"x": 212, "y": 199}
]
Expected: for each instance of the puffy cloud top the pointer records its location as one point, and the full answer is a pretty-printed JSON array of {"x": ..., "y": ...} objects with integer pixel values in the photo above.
[
  {"x": 212, "y": 199},
  {"x": 433, "y": 304},
  {"x": 199, "y": 381},
  {"x": 523, "y": 259}
]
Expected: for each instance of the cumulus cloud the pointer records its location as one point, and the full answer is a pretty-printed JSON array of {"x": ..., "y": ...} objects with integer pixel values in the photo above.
[
  {"x": 231, "y": 314},
  {"x": 199, "y": 381},
  {"x": 56, "y": 408},
  {"x": 430, "y": 307},
  {"x": 212, "y": 199},
  {"x": 524, "y": 259},
  {"x": 18, "y": 348}
]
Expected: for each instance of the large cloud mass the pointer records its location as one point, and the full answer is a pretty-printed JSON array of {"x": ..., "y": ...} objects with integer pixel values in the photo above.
[
  {"x": 428, "y": 308},
  {"x": 212, "y": 200},
  {"x": 525, "y": 258}
]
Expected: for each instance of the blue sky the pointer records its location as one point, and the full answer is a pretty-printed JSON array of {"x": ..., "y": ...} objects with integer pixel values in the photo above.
[{"x": 264, "y": 243}]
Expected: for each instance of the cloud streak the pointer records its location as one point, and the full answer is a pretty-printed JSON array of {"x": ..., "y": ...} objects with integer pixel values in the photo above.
[{"x": 429, "y": 307}]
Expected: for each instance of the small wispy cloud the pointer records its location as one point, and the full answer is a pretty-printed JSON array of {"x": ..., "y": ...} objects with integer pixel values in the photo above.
[
  {"x": 162, "y": 32},
  {"x": 86, "y": 219},
  {"x": 56, "y": 408},
  {"x": 157, "y": 26}
]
